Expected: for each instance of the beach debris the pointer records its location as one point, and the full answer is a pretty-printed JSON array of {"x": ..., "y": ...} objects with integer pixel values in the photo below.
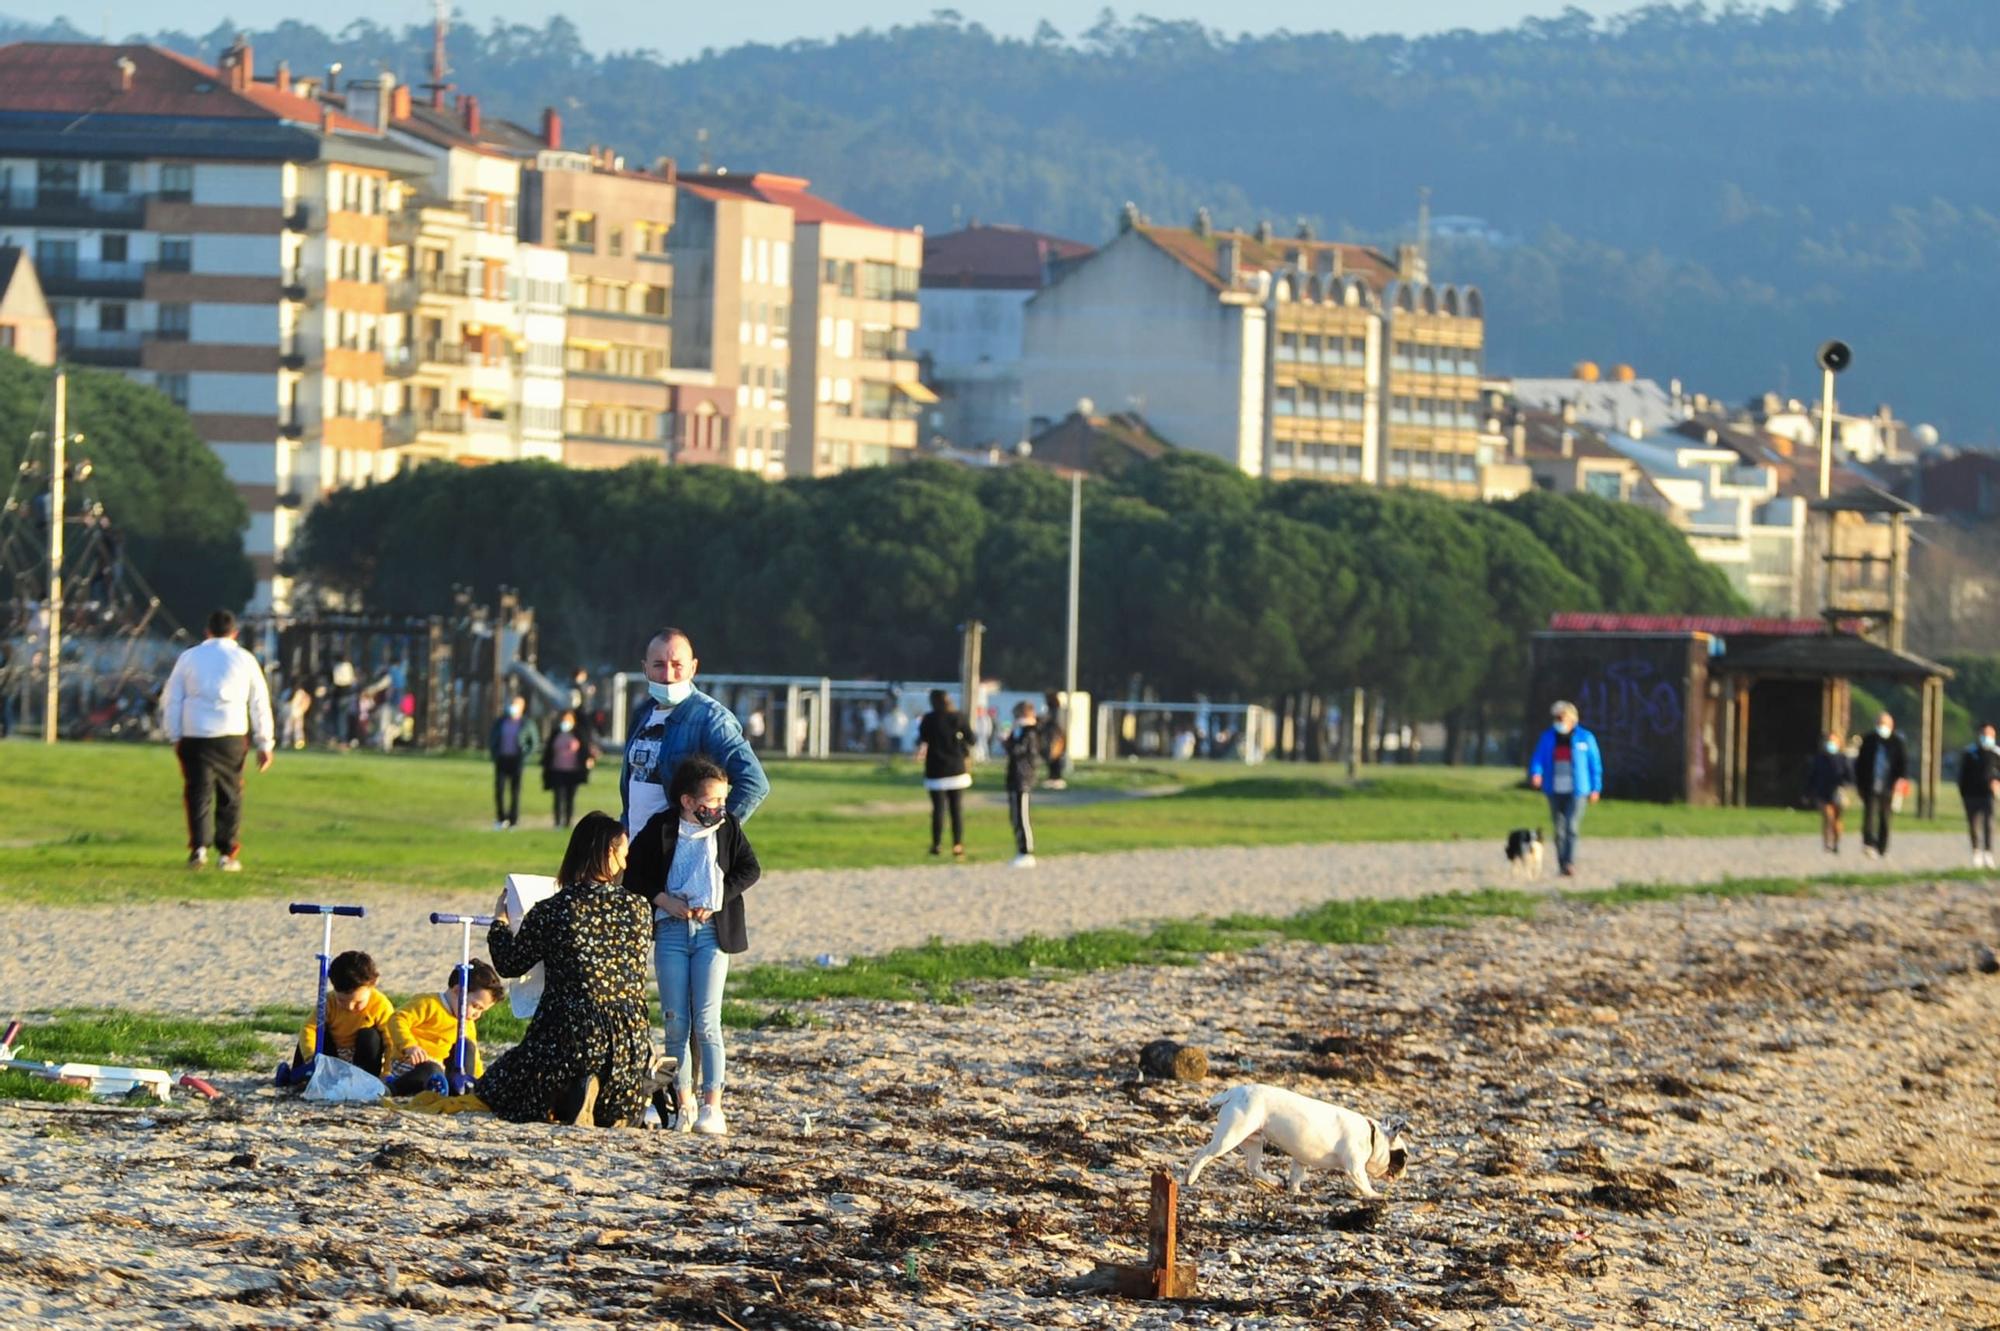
[
  {"x": 1987, "y": 962},
  {"x": 1166, "y": 1060},
  {"x": 1164, "y": 1275}
]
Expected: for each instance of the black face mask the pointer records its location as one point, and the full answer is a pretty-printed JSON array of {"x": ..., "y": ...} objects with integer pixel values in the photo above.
[{"x": 709, "y": 817}]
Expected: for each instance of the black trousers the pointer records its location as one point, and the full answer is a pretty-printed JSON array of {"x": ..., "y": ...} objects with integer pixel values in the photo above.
[
  {"x": 418, "y": 1078},
  {"x": 507, "y": 789},
  {"x": 1017, "y": 814},
  {"x": 212, "y": 786},
  {"x": 371, "y": 1052},
  {"x": 1875, "y": 820},
  {"x": 941, "y": 800},
  {"x": 1979, "y": 824},
  {"x": 563, "y": 787}
]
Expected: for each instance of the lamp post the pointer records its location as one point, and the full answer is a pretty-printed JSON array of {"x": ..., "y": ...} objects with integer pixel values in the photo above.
[
  {"x": 1833, "y": 358},
  {"x": 1075, "y": 581},
  {"x": 60, "y": 439}
]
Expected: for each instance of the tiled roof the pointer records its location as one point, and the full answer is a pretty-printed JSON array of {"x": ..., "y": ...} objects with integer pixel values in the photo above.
[
  {"x": 1198, "y": 253},
  {"x": 446, "y": 128},
  {"x": 785, "y": 191},
  {"x": 1009, "y": 258},
  {"x": 1544, "y": 438},
  {"x": 83, "y": 78}
]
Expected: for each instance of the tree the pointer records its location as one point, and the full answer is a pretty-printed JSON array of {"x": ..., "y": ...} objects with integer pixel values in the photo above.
[{"x": 163, "y": 490}]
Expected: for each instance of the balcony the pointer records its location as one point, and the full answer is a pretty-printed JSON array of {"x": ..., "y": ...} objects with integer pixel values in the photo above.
[
  {"x": 399, "y": 431},
  {"x": 300, "y": 285},
  {"x": 91, "y": 277},
  {"x": 172, "y": 263},
  {"x": 292, "y": 427},
  {"x": 97, "y": 346},
  {"x": 433, "y": 282},
  {"x": 299, "y": 216},
  {"x": 294, "y": 354},
  {"x": 399, "y": 362},
  {"x": 30, "y": 207},
  {"x": 438, "y": 351},
  {"x": 439, "y": 422}
]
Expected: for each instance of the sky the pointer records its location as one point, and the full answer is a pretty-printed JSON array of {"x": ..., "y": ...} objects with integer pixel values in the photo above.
[{"x": 678, "y": 28}]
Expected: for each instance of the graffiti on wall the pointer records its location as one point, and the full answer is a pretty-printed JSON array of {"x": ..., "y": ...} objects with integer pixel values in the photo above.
[{"x": 1636, "y": 712}]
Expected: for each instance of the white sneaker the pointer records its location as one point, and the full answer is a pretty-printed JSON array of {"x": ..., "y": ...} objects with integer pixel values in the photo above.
[
  {"x": 198, "y": 859},
  {"x": 710, "y": 1122},
  {"x": 230, "y": 864},
  {"x": 1870, "y": 853},
  {"x": 500, "y": 824},
  {"x": 1024, "y": 861}
]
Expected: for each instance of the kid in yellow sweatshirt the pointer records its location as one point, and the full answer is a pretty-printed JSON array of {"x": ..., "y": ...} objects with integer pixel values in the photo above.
[
  {"x": 357, "y": 1018},
  {"x": 422, "y": 1033}
]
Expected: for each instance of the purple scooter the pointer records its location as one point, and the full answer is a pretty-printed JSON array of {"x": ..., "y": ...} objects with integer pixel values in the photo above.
[{"x": 288, "y": 1073}]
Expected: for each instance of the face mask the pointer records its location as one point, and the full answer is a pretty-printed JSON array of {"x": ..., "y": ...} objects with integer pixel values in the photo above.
[
  {"x": 517, "y": 712},
  {"x": 1564, "y": 727},
  {"x": 1833, "y": 746},
  {"x": 709, "y": 817},
  {"x": 670, "y": 694},
  {"x": 1884, "y": 731},
  {"x": 1988, "y": 742},
  {"x": 568, "y": 726}
]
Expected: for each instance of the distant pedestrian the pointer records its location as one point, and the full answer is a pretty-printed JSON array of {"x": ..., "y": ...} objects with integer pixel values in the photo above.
[
  {"x": 297, "y": 703},
  {"x": 510, "y": 744},
  {"x": 754, "y": 727},
  {"x": 1828, "y": 776},
  {"x": 1978, "y": 786},
  {"x": 1055, "y": 740},
  {"x": 1568, "y": 767},
  {"x": 1025, "y": 755},
  {"x": 676, "y": 722},
  {"x": 944, "y": 743},
  {"x": 1881, "y": 770},
  {"x": 567, "y": 758},
  {"x": 216, "y": 709}
]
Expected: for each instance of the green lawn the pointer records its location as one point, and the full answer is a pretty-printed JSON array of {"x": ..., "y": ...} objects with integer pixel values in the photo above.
[{"x": 102, "y": 823}]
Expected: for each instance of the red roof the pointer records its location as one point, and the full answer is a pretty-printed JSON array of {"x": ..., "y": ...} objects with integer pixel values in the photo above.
[
  {"x": 1198, "y": 252},
  {"x": 785, "y": 191},
  {"x": 994, "y": 257},
  {"x": 80, "y": 78},
  {"x": 1721, "y": 625}
]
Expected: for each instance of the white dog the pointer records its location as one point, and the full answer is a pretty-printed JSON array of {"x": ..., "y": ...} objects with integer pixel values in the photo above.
[{"x": 1310, "y": 1131}]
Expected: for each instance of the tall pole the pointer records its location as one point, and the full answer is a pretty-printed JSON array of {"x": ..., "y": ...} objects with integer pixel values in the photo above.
[
  {"x": 1826, "y": 433},
  {"x": 1075, "y": 581},
  {"x": 58, "y": 467}
]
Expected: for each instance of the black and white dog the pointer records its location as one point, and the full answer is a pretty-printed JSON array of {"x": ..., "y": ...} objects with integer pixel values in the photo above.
[{"x": 1524, "y": 852}]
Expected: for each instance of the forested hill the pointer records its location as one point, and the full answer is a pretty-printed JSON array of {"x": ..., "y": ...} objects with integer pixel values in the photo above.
[{"x": 1707, "y": 194}]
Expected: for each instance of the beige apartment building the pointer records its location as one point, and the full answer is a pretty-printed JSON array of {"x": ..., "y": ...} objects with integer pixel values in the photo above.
[{"x": 852, "y": 394}]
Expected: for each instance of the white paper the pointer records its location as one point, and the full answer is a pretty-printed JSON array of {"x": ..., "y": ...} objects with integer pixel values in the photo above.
[{"x": 523, "y": 891}]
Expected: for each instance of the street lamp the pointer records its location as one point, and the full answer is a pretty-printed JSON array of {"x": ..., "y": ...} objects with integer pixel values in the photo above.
[{"x": 1834, "y": 357}]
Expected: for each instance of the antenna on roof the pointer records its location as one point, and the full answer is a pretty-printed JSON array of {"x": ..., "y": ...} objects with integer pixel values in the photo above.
[
  {"x": 701, "y": 148},
  {"x": 440, "y": 25},
  {"x": 1424, "y": 225}
]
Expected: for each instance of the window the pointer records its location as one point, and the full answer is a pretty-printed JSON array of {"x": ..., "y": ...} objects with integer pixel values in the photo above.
[
  {"x": 1399, "y": 462},
  {"x": 117, "y": 177},
  {"x": 177, "y": 182},
  {"x": 175, "y": 386},
  {"x": 1399, "y": 356},
  {"x": 577, "y": 231},
  {"x": 781, "y": 263},
  {"x": 878, "y": 281},
  {"x": 111, "y": 316},
  {"x": 56, "y": 180},
  {"x": 7, "y": 336},
  {"x": 1286, "y": 403},
  {"x": 764, "y": 261},
  {"x": 1288, "y": 346},
  {"x": 174, "y": 323},
  {"x": 843, "y": 337},
  {"x": 617, "y": 240},
  {"x": 1603, "y": 484},
  {"x": 113, "y": 247}
]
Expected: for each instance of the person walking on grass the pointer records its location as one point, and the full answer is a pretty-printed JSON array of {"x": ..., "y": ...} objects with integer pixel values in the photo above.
[
  {"x": 1978, "y": 785},
  {"x": 510, "y": 744},
  {"x": 675, "y": 722},
  {"x": 943, "y": 745},
  {"x": 1568, "y": 767},
  {"x": 216, "y": 709},
  {"x": 1881, "y": 771},
  {"x": 1025, "y": 755},
  {"x": 1828, "y": 776},
  {"x": 567, "y": 757}
]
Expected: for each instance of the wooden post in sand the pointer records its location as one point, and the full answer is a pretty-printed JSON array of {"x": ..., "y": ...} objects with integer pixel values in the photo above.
[{"x": 1163, "y": 1276}]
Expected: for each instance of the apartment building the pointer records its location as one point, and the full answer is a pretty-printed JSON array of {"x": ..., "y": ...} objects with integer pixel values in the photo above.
[
  {"x": 974, "y": 289},
  {"x": 733, "y": 317},
  {"x": 224, "y": 237},
  {"x": 1286, "y": 357},
  {"x": 614, "y": 225},
  {"x": 852, "y": 392}
]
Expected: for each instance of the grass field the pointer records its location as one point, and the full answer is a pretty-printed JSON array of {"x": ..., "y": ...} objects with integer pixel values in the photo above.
[{"x": 83, "y": 823}]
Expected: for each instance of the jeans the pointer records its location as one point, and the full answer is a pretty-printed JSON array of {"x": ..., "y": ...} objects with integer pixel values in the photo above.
[
  {"x": 1979, "y": 823},
  {"x": 692, "y": 969},
  {"x": 1565, "y": 817},
  {"x": 1875, "y": 810}
]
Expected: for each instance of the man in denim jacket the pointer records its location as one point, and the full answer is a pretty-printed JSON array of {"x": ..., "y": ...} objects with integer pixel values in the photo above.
[
  {"x": 677, "y": 721},
  {"x": 1568, "y": 767}
]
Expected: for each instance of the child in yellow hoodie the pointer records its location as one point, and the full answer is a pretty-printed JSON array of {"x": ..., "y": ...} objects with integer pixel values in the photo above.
[
  {"x": 357, "y": 1020},
  {"x": 423, "y": 1033}
]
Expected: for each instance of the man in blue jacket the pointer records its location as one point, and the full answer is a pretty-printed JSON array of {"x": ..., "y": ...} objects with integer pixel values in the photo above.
[
  {"x": 677, "y": 721},
  {"x": 1569, "y": 768}
]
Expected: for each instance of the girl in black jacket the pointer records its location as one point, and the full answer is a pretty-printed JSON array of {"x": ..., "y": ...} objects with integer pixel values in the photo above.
[{"x": 693, "y": 863}]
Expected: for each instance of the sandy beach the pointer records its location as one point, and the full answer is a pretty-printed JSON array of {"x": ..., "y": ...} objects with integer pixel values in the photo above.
[
  {"x": 1707, "y": 1113},
  {"x": 233, "y": 956}
]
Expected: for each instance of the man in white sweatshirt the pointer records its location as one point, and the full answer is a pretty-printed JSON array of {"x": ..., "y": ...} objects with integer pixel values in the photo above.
[{"x": 217, "y": 708}]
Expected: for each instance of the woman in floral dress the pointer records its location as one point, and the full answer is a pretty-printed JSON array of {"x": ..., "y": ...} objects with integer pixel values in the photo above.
[{"x": 588, "y": 1049}]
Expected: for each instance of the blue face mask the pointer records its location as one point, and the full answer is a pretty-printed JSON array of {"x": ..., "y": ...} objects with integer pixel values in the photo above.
[
  {"x": 670, "y": 694},
  {"x": 1833, "y": 746},
  {"x": 1884, "y": 731}
]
